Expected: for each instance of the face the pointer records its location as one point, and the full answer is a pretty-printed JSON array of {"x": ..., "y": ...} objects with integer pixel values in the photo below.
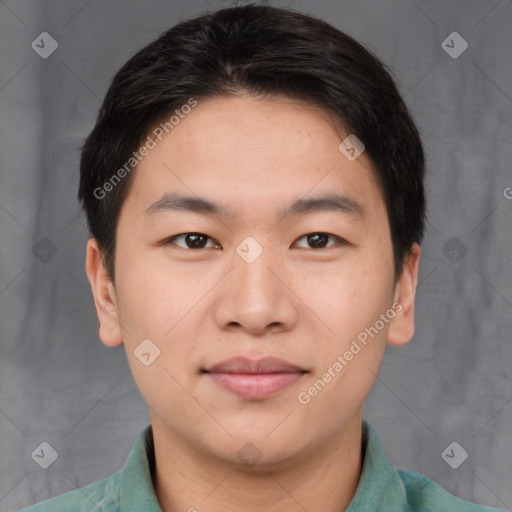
[{"x": 287, "y": 255}]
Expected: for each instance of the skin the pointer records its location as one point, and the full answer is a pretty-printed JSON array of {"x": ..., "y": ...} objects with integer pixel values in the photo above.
[{"x": 253, "y": 156}]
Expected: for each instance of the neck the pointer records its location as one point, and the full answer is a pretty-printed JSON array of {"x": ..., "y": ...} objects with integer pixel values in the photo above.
[{"x": 325, "y": 478}]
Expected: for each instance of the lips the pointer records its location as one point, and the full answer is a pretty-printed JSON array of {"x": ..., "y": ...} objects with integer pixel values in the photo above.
[
  {"x": 249, "y": 366},
  {"x": 254, "y": 380}
]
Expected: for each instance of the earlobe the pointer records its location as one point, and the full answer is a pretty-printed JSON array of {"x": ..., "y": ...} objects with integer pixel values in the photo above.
[
  {"x": 402, "y": 326},
  {"x": 104, "y": 295}
]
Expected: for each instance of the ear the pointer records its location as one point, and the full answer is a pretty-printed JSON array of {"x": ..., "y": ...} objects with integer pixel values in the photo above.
[
  {"x": 401, "y": 328},
  {"x": 104, "y": 296}
]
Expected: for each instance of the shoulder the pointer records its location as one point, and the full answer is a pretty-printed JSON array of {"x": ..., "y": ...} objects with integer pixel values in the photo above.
[
  {"x": 426, "y": 496},
  {"x": 101, "y": 496},
  {"x": 131, "y": 487}
]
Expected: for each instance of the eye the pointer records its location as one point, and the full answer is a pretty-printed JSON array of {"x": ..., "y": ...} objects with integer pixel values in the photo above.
[
  {"x": 319, "y": 240},
  {"x": 191, "y": 241},
  {"x": 200, "y": 241}
]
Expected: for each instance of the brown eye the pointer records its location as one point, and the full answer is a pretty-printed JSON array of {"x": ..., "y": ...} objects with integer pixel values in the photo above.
[
  {"x": 318, "y": 240},
  {"x": 191, "y": 241}
]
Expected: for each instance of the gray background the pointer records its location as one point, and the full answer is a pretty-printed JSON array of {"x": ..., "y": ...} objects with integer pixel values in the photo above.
[{"x": 59, "y": 384}]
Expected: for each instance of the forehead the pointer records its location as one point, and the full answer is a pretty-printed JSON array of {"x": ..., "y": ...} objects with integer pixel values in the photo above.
[{"x": 242, "y": 152}]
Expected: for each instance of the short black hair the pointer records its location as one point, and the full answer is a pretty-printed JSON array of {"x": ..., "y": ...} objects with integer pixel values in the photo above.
[{"x": 263, "y": 51}]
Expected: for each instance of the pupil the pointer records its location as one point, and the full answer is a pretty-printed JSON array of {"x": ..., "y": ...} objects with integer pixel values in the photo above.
[
  {"x": 317, "y": 240},
  {"x": 195, "y": 241}
]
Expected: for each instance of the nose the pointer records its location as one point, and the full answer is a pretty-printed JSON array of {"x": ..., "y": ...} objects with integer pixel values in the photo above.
[{"x": 256, "y": 296}]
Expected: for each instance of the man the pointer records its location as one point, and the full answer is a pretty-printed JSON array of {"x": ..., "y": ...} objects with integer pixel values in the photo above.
[{"x": 254, "y": 191}]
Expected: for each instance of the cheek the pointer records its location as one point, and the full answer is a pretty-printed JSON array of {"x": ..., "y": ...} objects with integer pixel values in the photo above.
[
  {"x": 150, "y": 301},
  {"x": 161, "y": 304},
  {"x": 154, "y": 306},
  {"x": 348, "y": 295},
  {"x": 350, "y": 302}
]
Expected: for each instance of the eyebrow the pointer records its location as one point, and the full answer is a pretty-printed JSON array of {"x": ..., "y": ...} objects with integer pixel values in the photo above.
[{"x": 170, "y": 202}]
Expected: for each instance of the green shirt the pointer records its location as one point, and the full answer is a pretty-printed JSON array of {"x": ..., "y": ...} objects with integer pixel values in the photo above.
[{"x": 382, "y": 488}]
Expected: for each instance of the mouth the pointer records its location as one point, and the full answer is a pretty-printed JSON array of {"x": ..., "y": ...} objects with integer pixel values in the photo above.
[{"x": 254, "y": 380}]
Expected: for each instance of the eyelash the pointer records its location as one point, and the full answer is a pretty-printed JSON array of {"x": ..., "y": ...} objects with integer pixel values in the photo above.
[{"x": 173, "y": 238}]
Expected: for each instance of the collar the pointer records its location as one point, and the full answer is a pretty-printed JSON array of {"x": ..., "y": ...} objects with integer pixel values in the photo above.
[
  {"x": 137, "y": 491},
  {"x": 380, "y": 486}
]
